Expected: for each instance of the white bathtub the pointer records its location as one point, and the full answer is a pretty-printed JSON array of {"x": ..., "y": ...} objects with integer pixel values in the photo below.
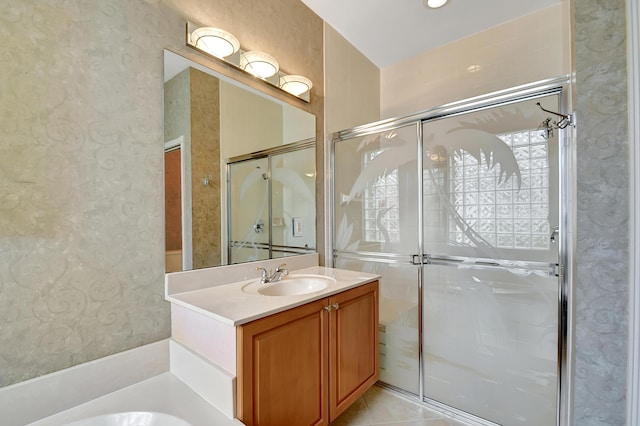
[
  {"x": 132, "y": 418},
  {"x": 163, "y": 400}
]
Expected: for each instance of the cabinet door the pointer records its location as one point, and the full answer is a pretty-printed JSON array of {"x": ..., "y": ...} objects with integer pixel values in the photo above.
[
  {"x": 353, "y": 347},
  {"x": 282, "y": 368}
]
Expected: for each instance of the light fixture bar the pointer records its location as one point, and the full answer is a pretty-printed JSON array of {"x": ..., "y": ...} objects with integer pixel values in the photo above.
[{"x": 221, "y": 45}]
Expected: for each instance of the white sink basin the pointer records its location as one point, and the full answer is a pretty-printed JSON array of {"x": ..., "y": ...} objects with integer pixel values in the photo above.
[{"x": 295, "y": 285}]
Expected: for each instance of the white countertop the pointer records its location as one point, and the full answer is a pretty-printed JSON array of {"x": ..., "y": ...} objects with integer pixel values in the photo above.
[{"x": 238, "y": 303}]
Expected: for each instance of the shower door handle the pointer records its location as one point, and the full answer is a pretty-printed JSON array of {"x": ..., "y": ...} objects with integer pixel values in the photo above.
[
  {"x": 554, "y": 235},
  {"x": 417, "y": 259}
]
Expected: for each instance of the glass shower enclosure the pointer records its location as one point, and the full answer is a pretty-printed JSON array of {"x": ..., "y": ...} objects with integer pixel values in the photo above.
[{"x": 459, "y": 210}]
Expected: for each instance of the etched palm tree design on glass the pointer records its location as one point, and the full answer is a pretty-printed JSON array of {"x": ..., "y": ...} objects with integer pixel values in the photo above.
[{"x": 485, "y": 184}]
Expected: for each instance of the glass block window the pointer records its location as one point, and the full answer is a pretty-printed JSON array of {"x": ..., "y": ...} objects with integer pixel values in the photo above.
[
  {"x": 435, "y": 211},
  {"x": 381, "y": 213},
  {"x": 499, "y": 212}
]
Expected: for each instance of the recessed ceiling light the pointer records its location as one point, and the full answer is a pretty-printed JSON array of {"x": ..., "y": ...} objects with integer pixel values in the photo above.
[
  {"x": 434, "y": 4},
  {"x": 474, "y": 68}
]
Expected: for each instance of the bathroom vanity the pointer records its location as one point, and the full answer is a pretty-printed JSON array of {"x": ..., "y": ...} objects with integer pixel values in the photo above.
[
  {"x": 304, "y": 356},
  {"x": 289, "y": 363}
]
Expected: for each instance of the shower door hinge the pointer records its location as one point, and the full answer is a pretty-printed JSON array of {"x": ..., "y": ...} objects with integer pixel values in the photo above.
[
  {"x": 569, "y": 121},
  {"x": 557, "y": 270}
]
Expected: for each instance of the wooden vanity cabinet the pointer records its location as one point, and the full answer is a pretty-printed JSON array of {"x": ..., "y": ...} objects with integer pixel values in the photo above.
[
  {"x": 306, "y": 365},
  {"x": 353, "y": 346}
]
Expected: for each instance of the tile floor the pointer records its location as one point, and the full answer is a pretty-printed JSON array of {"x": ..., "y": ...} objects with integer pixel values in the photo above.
[{"x": 383, "y": 407}]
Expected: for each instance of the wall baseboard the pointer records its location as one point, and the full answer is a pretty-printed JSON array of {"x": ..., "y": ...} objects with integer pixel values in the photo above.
[{"x": 46, "y": 395}]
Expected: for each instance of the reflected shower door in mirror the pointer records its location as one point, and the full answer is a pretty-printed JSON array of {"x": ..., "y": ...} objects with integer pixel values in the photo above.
[
  {"x": 209, "y": 118},
  {"x": 271, "y": 198}
]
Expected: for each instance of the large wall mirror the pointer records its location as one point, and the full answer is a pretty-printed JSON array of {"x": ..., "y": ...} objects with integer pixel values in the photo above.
[{"x": 239, "y": 171}]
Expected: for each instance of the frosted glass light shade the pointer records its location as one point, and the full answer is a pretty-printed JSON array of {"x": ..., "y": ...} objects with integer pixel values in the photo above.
[
  {"x": 215, "y": 41},
  {"x": 259, "y": 64},
  {"x": 295, "y": 84}
]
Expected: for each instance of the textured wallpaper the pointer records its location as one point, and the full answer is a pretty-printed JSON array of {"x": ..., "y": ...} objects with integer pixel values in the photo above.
[
  {"x": 603, "y": 228},
  {"x": 177, "y": 122},
  {"x": 81, "y": 131},
  {"x": 177, "y": 110},
  {"x": 205, "y": 164}
]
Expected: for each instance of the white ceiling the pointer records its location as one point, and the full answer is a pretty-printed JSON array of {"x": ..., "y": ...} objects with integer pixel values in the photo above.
[{"x": 389, "y": 31}]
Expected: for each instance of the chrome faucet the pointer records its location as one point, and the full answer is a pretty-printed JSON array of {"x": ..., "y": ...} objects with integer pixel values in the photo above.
[{"x": 269, "y": 277}]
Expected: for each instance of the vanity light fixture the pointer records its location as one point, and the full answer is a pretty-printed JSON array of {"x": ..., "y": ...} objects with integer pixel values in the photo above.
[
  {"x": 260, "y": 64},
  {"x": 295, "y": 84},
  {"x": 219, "y": 43},
  {"x": 434, "y": 4},
  {"x": 222, "y": 45}
]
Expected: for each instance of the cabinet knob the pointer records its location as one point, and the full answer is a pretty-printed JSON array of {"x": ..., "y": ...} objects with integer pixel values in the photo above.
[
  {"x": 327, "y": 308},
  {"x": 335, "y": 306}
]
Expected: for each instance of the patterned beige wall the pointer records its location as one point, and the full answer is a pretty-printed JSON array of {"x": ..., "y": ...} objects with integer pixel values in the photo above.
[
  {"x": 205, "y": 164},
  {"x": 177, "y": 111},
  {"x": 177, "y": 122},
  {"x": 603, "y": 212},
  {"x": 81, "y": 131}
]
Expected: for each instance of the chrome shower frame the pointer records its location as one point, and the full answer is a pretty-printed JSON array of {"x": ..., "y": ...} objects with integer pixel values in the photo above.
[{"x": 560, "y": 86}]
